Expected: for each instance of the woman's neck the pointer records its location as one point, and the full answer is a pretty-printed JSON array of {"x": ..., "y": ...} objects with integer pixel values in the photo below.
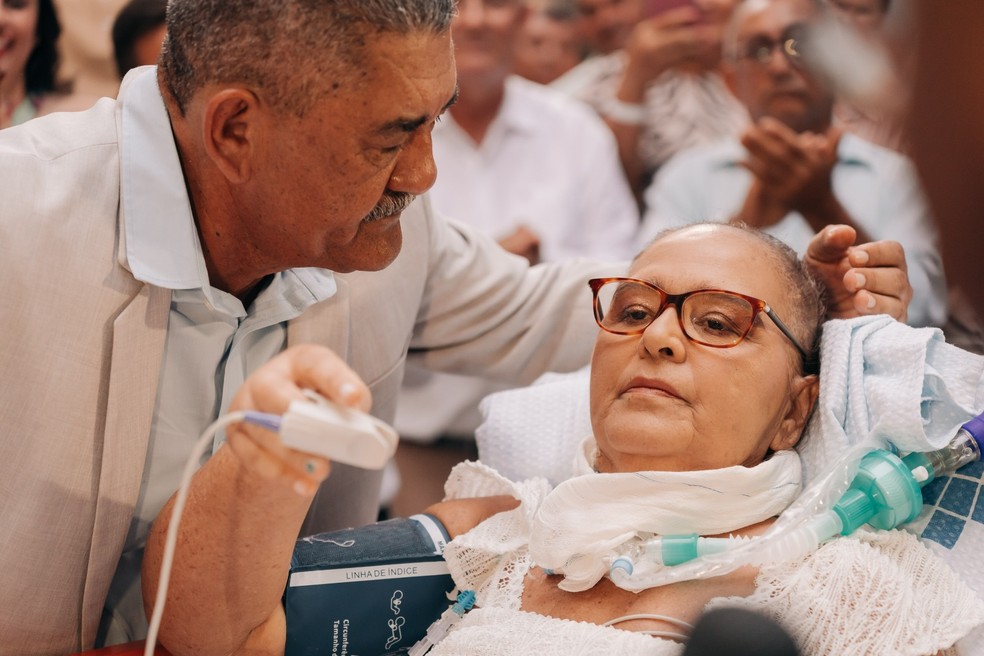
[{"x": 13, "y": 90}]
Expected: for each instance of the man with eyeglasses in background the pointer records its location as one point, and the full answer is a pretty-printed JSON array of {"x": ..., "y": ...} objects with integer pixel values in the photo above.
[
  {"x": 866, "y": 15},
  {"x": 792, "y": 172}
]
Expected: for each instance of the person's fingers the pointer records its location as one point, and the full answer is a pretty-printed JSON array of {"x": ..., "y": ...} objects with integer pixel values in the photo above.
[
  {"x": 522, "y": 241},
  {"x": 880, "y": 290},
  {"x": 684, "y": 17},
  {"x": 866, "y": 303},
  {"x": 870, "y": 278},
  {"x": 831, "y": 244},
  {"x": 773, "y": 172},
  {"x": 758, "y": 168},
  {"x": 780, "y": 133},
  {"x": 776, "y": 127},
  {"x": 262, "y": 452},
  {"x": 270, "y": 389},
  {"x": 273, "y": 386},
  {"x": 783, "y": 156},
  {"x": 882, "y": 253},
  {"x": 761, "y": 143},
  {"x": 666, "y": 39},
  {"x": 319, "y": 369}
]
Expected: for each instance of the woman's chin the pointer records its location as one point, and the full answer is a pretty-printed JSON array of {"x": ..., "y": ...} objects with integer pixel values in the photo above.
[{"x": 643, "y": 446}]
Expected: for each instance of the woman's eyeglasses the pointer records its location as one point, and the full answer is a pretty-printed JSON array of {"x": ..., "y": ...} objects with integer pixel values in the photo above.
[{"x": 712, "y": 317}]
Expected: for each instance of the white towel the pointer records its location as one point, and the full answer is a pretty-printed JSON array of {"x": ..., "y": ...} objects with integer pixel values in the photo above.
[{"x": 880, "y": 381}]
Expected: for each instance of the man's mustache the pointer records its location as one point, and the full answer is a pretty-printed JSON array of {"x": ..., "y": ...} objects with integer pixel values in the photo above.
[{"x": 391, "y": 203}]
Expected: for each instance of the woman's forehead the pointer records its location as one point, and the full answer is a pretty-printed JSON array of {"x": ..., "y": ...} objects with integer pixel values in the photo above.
[{"x": 710, "y": 257}]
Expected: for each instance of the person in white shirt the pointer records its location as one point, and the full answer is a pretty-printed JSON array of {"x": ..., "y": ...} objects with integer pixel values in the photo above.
[
  {"x": 549, "y": 42},
  {"x": 654, "y": 77},
  {"x": 537, "y": 171}
]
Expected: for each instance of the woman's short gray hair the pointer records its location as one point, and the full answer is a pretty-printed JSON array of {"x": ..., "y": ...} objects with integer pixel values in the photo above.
[{"x": 294, "y": 50}]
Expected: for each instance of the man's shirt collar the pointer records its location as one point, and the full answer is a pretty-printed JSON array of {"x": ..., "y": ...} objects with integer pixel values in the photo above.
[{"x": 161, "y": 238}]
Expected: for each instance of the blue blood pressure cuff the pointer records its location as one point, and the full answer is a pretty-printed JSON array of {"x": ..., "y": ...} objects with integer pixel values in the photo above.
[{"x": 367, "y": 591}]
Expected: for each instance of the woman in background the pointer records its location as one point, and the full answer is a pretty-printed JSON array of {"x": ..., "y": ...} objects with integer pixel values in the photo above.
[{"x": 29, "y": 33}]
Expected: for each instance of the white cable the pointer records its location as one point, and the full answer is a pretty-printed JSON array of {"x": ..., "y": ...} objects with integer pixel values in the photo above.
[
  {"x": 650, "y": 616},
  {"x": 172, "y": 530},
  {"x": 665, "y": 634}
]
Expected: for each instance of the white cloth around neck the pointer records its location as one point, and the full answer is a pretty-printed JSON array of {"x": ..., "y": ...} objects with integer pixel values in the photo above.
[{"x": 585, "y": 518}]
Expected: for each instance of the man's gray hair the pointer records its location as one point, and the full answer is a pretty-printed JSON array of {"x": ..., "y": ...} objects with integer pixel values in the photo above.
[{"x": 293, "y": 50}]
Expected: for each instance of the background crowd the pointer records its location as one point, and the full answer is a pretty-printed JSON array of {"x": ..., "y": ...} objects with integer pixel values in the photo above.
[{"x": 582, "y": 128}]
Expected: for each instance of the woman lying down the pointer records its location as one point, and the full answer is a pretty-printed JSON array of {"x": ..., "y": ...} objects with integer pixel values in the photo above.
[{"x": 704, "y": 390}]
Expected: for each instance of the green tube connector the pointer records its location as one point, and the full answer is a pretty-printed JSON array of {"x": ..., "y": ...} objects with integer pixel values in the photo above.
[
  {"x": 677, "y": 549},
  {"x": 883, "y": 493}
]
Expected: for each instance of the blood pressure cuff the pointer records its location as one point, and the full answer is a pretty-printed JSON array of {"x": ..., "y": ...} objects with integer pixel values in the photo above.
[{"x": 367, "y": 591}]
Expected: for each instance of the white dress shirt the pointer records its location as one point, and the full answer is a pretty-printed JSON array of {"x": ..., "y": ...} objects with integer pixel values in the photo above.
[{"x": 546, "y": 162}]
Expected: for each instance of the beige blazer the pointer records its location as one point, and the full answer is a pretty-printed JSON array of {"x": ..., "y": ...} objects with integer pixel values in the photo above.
[{"x": 81, "y": 343}]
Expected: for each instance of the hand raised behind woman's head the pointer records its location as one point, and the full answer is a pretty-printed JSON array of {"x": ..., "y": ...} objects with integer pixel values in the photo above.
[{"x": 870, "y": 278}]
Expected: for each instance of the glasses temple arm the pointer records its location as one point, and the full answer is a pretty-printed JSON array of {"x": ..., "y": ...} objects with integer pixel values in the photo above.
[{"x": 787, "y": 332}]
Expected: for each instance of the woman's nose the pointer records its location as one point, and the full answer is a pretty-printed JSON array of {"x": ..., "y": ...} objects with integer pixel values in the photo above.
[{"x": 665, "y": 336}]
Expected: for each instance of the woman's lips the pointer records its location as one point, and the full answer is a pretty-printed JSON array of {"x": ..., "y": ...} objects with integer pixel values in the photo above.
[{"x": 651, "y": 387}]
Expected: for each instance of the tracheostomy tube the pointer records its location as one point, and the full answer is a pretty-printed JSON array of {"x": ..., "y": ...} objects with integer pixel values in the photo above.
[{"x": 865, "y": 486}]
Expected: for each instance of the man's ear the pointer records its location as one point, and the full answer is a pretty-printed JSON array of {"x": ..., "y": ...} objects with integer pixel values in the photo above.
[
  {"x": 730, "y": 75},
  {"x": 229, "y": 131},
  {"x": 805, "y": 391}
]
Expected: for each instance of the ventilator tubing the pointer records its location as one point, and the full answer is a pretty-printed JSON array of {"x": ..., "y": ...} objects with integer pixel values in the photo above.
[{"x": 885, "y": 492}]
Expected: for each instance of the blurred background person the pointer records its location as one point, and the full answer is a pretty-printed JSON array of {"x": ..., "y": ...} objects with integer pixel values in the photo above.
[
  {"x": 866, "y": 15},
  {"x": 877, "y": 114},
  {"x": 86, "y": 47},
  {"x": 549, "y": 43},
  {"x": 531, "y": 168},
  {"x": 653, "y": 76},
  {"x": 793, "y": 172},
  {"x": 138, "y": 33},
  {"x": 29, "y": 31}
]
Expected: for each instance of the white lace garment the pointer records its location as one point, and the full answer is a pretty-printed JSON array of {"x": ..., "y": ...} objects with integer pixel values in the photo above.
[{"x": 874, "y": 593}]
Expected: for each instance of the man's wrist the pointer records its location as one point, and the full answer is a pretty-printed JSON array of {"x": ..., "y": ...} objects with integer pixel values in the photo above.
[{"x": 761, "y": 208}]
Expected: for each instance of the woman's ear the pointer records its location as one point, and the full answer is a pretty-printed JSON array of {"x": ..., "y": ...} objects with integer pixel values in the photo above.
[
  {"x": 805, "y": 391},
  {"x": 229, "y": 129}
]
